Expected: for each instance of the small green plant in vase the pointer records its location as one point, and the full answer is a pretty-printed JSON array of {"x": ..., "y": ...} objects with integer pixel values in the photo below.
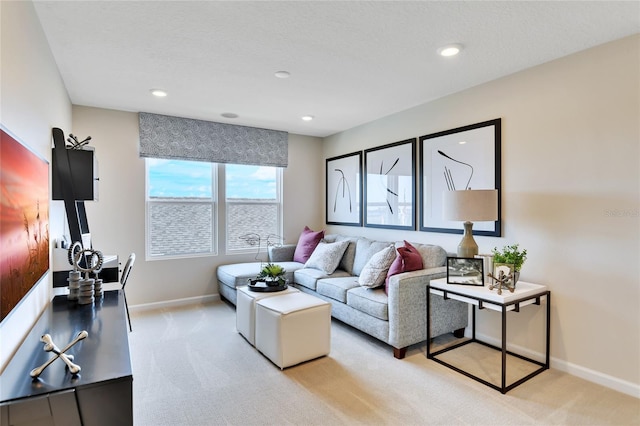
[
  {"x": 513, "y": 255},
  {"x": 272, "y": 274}
]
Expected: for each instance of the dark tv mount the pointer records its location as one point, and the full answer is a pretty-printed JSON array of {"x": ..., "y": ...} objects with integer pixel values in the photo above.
[{"x": 76, "y": 214}]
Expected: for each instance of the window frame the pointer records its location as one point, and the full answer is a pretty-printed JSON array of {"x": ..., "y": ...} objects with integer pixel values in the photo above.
[
  {"x": 279, "y": 203},
  {"x": 213, "y": 201}
]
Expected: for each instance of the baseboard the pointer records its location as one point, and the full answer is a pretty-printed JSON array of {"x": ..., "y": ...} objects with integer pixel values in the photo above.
[
  {"x": 588, "y": 374},
  {"x": 168, "y": 304}
]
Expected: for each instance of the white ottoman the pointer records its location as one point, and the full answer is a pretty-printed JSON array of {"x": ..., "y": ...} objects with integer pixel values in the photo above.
[
  {"x": 293, "y": 328},
  {"x": 246, "y": 309}
]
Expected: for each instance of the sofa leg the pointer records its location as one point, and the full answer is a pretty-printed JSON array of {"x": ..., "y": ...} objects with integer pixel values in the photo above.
[
  {"x": 459, "y": 333},
  {"x": 399, "y": 353}
]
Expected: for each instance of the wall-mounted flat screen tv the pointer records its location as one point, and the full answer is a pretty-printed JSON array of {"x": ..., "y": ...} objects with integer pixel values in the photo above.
[{"x": 24, "y": 220}]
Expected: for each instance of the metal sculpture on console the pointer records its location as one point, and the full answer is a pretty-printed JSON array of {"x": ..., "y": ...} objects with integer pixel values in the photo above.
[
  {"x": 84, "y": 290},
  {"x": 502, "y": 281}
]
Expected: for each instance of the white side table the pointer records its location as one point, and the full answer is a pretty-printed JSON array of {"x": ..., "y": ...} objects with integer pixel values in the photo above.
[
  {"x": 483, "y": 298},
  {"x": 246, "y": 309}
]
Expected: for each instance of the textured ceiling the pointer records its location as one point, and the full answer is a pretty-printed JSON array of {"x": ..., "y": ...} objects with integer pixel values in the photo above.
[{"x": 351, "y": 62}]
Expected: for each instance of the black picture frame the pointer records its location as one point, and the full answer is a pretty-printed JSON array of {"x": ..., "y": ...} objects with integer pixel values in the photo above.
[
  {"x": 390, "y": 186},
  {"x": 465, "y": 271},
  {"x": 467, "y": 157},
  {"x": 343, "y": 183}
]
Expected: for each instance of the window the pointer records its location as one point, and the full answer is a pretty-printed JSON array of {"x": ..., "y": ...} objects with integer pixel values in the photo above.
[
  {"x": 181, "y": 208},
  {"x": 253, "y": 206}
]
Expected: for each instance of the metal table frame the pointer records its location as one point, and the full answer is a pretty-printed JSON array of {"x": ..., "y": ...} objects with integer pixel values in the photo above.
[{"x": 466, "y": 295}]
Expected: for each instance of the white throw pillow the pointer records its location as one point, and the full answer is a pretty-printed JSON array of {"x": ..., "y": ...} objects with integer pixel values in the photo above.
[
  {"x": 375, "y": 271},
  {"x": 326, "y": 256}
]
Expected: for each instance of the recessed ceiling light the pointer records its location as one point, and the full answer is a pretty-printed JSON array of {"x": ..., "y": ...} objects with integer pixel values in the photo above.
[
  {"x": 450, "y": 50},
  {"x": 229, "y": 115},
  {"x": 282, "y": 74},
  {"x": 158, "y": 92},
  {"x": 307, "y": 117}
]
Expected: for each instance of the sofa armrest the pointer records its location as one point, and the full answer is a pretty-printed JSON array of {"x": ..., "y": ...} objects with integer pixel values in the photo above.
[
  {"x": 407, "y": 296},
  {"x": 283, "y": 253}
]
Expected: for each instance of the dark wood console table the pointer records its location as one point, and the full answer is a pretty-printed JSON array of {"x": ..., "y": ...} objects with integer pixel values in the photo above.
[{"x": 101, "y": 394}]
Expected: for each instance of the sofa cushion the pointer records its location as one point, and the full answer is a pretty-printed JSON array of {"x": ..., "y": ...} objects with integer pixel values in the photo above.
[
  {"x": 407, "y": 260},
  {"x": 365, "y": 248},
  {"x": 346, "y": 263},
  {"x": 307, "y": 243},
  {"x": 336, "y": 288},
  {"x": 375, "y": 271},
  {"x": 237, "y": 274},
  {"x": 370, "y": 301},
  {"x": 308, "y": 277},
  {"x": 326, "y": 256}
]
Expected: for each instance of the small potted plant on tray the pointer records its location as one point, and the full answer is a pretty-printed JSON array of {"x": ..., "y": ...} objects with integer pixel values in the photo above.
[
  {"x": 272, "y": 274},
  {"x": 512, "y": 255}
]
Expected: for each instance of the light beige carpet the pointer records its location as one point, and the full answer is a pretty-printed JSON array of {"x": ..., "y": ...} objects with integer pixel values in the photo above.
[{"x": 191, "y": 367}]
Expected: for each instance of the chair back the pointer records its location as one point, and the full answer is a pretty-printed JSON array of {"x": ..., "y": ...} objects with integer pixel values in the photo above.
[{"x": 127, "y": 269}]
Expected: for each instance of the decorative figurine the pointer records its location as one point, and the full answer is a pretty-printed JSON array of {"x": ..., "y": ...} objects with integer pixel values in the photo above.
[
  {"x": 75, "y": 144},
  {"x": 84, "y": 290},
  {"x": 49, "y": 346},
  {"x": 501, "y": 281}
]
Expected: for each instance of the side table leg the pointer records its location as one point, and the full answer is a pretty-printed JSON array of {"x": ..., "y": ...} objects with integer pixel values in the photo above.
[
  {"x": 548, "y": 328},
  {"x": 428, "y": 322},
  {"x": 504, "y": 349}
]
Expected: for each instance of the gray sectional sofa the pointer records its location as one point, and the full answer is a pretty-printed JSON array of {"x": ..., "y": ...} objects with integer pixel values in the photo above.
[{"x": 395, "y": 315}]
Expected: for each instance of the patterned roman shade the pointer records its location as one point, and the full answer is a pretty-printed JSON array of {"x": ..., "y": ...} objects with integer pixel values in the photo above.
[{"x": 163, "y": 136}]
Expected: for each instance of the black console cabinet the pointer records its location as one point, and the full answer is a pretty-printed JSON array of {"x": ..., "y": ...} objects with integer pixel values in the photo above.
[{"x": 101, "y": 394}]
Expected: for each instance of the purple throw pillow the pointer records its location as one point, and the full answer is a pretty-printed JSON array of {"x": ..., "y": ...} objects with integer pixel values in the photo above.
[
  {"x": 408, "y": 259},
  {"x": 307, "y": 243}
]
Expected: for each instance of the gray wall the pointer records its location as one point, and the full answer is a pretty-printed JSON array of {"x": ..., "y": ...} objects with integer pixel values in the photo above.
[{"x": 570, "y": 196}]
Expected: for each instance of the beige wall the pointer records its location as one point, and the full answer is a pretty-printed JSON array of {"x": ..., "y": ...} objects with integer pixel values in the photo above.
[
  {"x": 117, "y": 220},
  {"x": 570, "y": 191},
  {"x": 33, "y": 99}
]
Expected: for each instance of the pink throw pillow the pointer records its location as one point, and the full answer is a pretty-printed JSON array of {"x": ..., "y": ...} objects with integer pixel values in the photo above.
[
  {"x": 408, "y": 259},
  {"x": 307, "y": 243}
]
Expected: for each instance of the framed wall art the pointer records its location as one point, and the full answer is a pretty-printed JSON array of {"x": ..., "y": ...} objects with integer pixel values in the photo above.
[
  {"x": 389, "y": 182},
  {"x": 463, "y": 158},
  {"x": 465, "y": 270},
  {"x": 344, "y": 190},
  {"x": 24, "y": 221}
]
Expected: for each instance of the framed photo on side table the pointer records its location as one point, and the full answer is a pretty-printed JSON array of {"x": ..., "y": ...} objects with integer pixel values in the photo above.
[
  {"x": 465, "y": 270},
  {"x": 344, "y": 190}
]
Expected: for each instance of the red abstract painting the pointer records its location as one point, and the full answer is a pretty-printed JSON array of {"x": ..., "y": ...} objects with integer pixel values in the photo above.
[{"x": 24, "y": 221}]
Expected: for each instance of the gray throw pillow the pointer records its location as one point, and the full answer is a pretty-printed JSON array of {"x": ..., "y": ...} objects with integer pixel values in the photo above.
[
  {"x": 366, "y": 248},
  {"x": 375, "y": 271},
  {"x": 326, "y": 256}
]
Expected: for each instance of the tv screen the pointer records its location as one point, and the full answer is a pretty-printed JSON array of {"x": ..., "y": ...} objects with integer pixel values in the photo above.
[{"x": 24, "y": 221}]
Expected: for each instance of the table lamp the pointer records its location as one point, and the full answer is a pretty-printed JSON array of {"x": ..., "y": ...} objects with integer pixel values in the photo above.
[{"x": 470, "y": 205}]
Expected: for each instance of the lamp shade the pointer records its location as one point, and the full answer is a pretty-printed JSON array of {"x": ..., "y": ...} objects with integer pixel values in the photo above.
[{"x": 473, "y": 205}]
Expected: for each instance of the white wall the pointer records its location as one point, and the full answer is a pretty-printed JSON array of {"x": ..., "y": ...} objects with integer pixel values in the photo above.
[
  {"x": 570, "y": 196},
  {"x": 117, "y": 220},
  {"x": 33, "y": 99}
]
